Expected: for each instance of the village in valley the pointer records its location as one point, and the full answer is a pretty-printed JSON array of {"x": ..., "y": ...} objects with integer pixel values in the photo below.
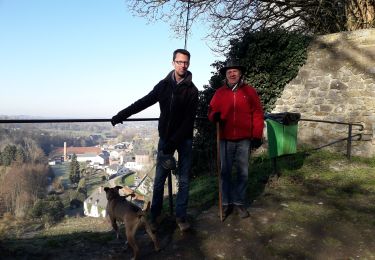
[{"x": 128, "y": 163}]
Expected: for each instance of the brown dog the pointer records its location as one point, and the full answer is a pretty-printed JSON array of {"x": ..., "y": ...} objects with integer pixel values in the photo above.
[{"x": 119, "y": 209}]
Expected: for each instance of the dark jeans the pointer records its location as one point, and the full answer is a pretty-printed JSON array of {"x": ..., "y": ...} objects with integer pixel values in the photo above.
[
  {"x": 237, "y": 153},
  {"x": 184, "y": 164}
]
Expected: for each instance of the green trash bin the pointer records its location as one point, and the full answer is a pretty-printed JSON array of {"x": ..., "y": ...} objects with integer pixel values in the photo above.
[{"x": 282, "y": 133}]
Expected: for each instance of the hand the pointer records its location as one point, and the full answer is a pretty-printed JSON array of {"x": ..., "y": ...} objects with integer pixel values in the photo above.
[
  {"x": 121, "y": 116},
  {"x": 116, "y": 120},
  {"x": 216, "y": 117},
  {"x": 132, "y": 195},
  {"x": 167, "y": 161},
  {"x": 255, "y": 143}
]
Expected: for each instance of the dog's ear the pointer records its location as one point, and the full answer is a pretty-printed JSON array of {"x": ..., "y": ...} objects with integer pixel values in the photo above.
[
  {"x": 118, "y": 187},
  {"x": 106, "y": 189}
]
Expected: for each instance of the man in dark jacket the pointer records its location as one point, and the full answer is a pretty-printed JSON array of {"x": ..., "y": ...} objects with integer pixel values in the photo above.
[
  {"x": 237, "y": 108},
  {"x": 178, "y": 100}
]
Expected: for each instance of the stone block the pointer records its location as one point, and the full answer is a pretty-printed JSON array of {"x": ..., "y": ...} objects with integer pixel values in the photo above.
[
  {"x": 326, "y": 108},
  {"x": 312, "y": 84},
  {"x": 339, "y": 110},
  {"x": 337, "y": 84},
  {"x": 320, "y": 113},
  {"x": 318, "y": 101}
]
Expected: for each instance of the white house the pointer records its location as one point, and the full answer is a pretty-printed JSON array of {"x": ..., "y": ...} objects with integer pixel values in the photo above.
[
  {"x": 134, "y": 166},
  {"x": 116, "y": 154},
  {"x": 95, "y": 205},
  {"x": 92, "y": 158},
  {"x": 116, "y": 169}
]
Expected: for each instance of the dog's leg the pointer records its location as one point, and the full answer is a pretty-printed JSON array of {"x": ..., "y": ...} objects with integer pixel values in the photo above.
[
  {"x": 115, "y": 227},
  {"x": 131, "y": 227},
  {"x": 151, "y": 234}
]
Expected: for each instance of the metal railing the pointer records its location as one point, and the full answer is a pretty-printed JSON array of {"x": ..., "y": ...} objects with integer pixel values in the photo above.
[
  {"x": 93, "y": 120},
  {"x": 349, "y": 137}
]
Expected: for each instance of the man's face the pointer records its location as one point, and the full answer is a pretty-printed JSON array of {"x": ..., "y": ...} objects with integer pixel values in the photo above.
[
  {"x": 233, "y": 76},
  {"x": 181, "y": 64}
]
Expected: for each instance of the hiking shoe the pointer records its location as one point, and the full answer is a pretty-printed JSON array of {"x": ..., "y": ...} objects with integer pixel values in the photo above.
[
  {"x": 242, "y": 211},
  {"x": 183, "y": 224}
]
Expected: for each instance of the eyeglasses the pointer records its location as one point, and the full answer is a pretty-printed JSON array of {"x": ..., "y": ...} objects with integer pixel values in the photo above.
[{"x": 180, "y": 62}]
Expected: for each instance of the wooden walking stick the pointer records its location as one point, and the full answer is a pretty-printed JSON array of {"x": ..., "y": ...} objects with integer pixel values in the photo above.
[
  {"x": 218, "y": 166},
  {"x": 170, "y": 193}
]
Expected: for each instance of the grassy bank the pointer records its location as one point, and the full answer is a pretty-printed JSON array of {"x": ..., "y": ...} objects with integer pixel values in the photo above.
[{"x": 321, "y": 207}]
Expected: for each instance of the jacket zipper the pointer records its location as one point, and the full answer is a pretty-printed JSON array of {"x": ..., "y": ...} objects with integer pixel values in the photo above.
[
  {"x": 234, "y": 113},
  {"x": 170, "y": 113}
]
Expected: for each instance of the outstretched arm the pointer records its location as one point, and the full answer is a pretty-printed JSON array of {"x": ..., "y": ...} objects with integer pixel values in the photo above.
[{"x": 141, "y": 104}]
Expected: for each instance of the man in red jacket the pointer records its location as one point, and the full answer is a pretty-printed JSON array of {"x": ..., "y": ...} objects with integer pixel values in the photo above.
[{"x": 237, "y": 108}]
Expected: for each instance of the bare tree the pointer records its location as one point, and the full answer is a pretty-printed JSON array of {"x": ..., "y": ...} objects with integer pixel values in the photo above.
[
  {"x": 34, "y": 152},
  {"x": 22, "y": 185},
  {"x": 228, "y": 19}
]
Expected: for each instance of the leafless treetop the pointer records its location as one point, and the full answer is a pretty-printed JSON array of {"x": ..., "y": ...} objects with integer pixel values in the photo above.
[{"x": 228, "y": 19}]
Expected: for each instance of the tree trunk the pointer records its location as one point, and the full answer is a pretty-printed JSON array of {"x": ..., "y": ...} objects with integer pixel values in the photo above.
[{"x": 360, "y": 14}]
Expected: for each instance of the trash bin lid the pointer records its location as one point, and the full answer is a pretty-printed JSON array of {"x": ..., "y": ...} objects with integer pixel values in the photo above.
[{"x": 285, "y": 118}]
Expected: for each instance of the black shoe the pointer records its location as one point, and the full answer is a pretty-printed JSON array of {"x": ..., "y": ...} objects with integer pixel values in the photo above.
[
  {"x": 242, "y": 211},
  {"x": 227, "y": 210}
]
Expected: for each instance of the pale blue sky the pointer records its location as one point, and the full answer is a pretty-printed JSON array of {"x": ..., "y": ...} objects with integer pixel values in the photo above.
[{"x": 86, "y": 58}]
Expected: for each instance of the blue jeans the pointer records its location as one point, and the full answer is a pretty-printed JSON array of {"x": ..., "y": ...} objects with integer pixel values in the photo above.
[
  {"x": 234, "y": 153},
  {"x": 183, "y": 171}
]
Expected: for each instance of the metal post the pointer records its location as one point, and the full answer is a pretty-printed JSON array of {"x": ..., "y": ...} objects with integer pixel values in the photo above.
[
  {"x": 218, "y": 167},
  {"x": 274, "y": 167},
  {"x": 349, "y": 143},
  {"x": 170, "y": 195}
]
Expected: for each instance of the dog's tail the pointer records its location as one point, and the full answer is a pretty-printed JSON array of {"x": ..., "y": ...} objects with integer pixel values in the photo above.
[
  {"x": 148, "y": 206},
  {"x": 144, "y": 211}
]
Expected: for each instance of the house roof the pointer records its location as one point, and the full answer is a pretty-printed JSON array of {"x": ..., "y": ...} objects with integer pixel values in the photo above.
[
  {"x": 77, "y": 150},
  {"x": 98, "y": 195}
]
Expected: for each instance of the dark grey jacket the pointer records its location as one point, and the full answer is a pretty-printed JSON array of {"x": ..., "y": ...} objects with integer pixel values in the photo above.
[{"x": 178, "y": 105}]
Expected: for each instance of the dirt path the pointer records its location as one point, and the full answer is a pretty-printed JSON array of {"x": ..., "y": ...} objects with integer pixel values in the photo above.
[{"x": 235, "y": 238}]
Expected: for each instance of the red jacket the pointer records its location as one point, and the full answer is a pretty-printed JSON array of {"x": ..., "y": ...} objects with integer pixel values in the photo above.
[{"x": 241, "y": 112}]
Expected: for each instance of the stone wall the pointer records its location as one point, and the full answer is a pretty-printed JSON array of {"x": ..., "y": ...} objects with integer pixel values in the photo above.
[{"x": 337, "y": 83}]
